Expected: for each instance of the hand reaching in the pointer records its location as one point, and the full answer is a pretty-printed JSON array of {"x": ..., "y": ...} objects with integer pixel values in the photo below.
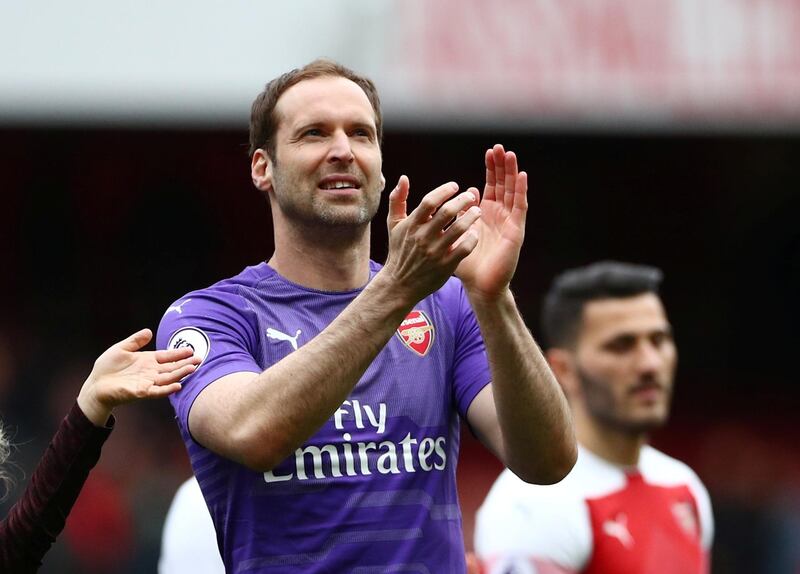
[{"x": 123, "y": 374}]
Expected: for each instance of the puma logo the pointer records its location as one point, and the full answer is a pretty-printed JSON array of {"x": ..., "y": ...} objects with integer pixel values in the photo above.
[
  {"x": 279, "y": 336},
  {"x": 177, "y": 308},
  {"x": 618, "y": 528}
]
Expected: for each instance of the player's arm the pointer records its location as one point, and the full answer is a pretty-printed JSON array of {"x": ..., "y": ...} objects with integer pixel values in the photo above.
[
  {"x": 259, "y": 419},
  {"x": 522, "y": 415}
]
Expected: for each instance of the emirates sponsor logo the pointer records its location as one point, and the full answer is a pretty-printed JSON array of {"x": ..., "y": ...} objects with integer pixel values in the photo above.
[
  {"x": 417, "y": 332},
  {"x": 348, "y": 456}
]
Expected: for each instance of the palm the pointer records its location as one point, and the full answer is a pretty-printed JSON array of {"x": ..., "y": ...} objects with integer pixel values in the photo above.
[
  {"x": 123, "y": 373},
  {"x": 501, "y": 228},
  {"x": 134, "y": 374}
]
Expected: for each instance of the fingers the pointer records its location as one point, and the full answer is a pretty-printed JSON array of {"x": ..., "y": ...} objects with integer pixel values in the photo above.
[
  {"x": 167, "y": 367},
  {"x": 398, "y": 202},
  {"x": 438, "y": 226},
  {"x": 499, "y": 162},
  {"x": 502, "y": 175},
  {"x": 136, "y": 341},
  {"x": 510, "y": 181},
  {"x": 461, "y": 205},
  {"x": 172, "y": 355},
  {"x": 157, "y": 392},
  {"x": 520, "y": 196},
  {"x": 491, "y": 180},
  {"x": 454, "y": 207},
  {"x": 465, "y": 244},
  {"x": 461, "y": 227},
  {"x": 174, "y": 376},
  {"x": 432, "y": 201}
]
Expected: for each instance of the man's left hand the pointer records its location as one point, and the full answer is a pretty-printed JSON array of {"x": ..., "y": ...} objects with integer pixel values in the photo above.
[{"x": 488, "y": 270}]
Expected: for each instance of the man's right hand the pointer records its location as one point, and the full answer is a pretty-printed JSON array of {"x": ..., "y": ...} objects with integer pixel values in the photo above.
[{"x": 426, "y": 246}]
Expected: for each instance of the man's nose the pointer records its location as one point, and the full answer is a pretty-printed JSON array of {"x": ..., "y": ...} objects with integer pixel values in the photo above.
[
  {"x": 340, "y": 150},
  {"x": 649, "y": 357}
]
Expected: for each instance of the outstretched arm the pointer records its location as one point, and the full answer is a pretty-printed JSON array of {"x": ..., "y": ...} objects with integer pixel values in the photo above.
[
  {"x": 119, "y": 376},
  {"x": 122, "y": 375},
  {"x": 522, "y": 416}
]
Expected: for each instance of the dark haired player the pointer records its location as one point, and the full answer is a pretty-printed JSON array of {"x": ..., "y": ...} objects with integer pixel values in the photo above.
[{"x": 625, "y": 508}]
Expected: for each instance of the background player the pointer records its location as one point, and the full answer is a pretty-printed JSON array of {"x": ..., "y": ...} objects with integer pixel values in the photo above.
[
  {"x": 626, "y": 507},
  {"x": 323, "y": 423},
  {"x": 189, "y": 542}
]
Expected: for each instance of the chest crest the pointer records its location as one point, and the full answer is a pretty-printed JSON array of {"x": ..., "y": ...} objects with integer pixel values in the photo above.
[{"x": 417, "y": 332}]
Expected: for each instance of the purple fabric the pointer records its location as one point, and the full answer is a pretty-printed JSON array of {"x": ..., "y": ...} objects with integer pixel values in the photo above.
[{"x": 374, "y": 490}]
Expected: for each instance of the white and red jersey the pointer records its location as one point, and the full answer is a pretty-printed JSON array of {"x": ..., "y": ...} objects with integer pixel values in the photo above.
[{"x": 654, "y": 518}]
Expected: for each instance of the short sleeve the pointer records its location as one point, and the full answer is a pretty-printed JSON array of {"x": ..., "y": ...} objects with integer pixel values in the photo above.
[
  {"x": 221, "y": 327},
  {"x": 531, "y": 524},
  {"x": 471, "y": 365},
  {"x": 704, "y": 511}
]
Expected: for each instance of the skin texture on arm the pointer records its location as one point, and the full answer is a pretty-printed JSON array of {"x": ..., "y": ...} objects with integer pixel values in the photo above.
[
  {"x": 523, "y": 415},
  {"x": 258, "y": 420}
]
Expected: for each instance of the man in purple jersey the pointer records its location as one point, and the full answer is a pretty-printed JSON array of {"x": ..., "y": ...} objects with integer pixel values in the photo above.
[{"x": 323, "y": 422}]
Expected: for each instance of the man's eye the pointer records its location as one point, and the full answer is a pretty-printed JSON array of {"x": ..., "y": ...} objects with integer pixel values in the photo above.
[
  {"x": 313, "y": 132},
  {"x": 622, "y": 345},
  {"x": 659, "y": 339}
]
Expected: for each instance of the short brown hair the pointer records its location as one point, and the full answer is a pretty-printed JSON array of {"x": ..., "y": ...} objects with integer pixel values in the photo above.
[{"x": 263, "y": 123}]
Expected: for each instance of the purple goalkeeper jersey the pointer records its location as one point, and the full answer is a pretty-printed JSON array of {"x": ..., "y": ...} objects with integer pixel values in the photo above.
[{"x": 374, "y": 490}]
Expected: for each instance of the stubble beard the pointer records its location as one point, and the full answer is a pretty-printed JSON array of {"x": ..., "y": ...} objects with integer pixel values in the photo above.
[
  {"x": 310, "y": 209},
  {"x": 603, "y": 407}
]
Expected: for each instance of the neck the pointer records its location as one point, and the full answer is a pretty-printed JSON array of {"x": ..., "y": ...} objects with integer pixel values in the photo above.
[
  {"x": 615, "y": 445},
  {"x": 321, "y": 257}
]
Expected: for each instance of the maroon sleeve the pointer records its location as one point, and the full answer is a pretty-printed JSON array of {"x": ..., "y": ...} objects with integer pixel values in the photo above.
[{"x": 38, "y": 517}]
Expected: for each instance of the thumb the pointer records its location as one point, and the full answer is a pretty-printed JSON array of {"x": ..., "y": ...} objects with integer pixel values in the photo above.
[
  {"x": 137, "y": 340},
  {"x": 397, "y": 202}
]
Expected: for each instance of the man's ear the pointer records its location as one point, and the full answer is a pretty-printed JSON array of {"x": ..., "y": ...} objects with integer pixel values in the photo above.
[
  {"x": 562, "y": 363},
  {"x": 261, "y": 170},
  {"x": 383, "y": 182}
]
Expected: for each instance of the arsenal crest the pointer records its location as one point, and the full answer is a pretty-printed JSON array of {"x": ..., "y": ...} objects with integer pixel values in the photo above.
[
  {"x": 684, "y": 513},
  {"x": 416, "y": 331}
]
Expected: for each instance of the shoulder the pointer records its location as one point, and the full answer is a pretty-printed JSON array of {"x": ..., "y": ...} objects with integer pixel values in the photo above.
[
  {"x": 557, "y": 510},
  {"x": 591, "y": 477},
  {"x": 547, "y": 523},
  {"x": 660, "y": 469},
  {"x": 225, "y": 291},
  {"x": 223, "y": 303}
]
